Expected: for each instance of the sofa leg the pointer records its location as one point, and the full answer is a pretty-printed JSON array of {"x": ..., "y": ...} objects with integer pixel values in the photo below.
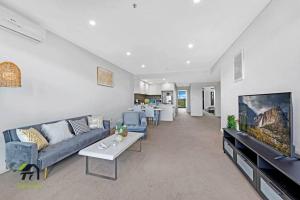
[{"x": 45, "y": 173}]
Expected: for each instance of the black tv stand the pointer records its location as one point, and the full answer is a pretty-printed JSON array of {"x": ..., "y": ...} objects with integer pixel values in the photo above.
[
  {"x": 272, "y": 178},
  {"x": 241, "y": 133},
  {"x": 280, "y": 157}
]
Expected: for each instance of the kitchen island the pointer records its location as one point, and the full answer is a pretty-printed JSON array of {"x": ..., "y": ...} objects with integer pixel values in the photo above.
[{"x": 168, "y": 112}]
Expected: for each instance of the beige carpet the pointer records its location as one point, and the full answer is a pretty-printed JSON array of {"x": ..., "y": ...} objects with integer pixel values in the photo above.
[{"x": 180, "y": 160}]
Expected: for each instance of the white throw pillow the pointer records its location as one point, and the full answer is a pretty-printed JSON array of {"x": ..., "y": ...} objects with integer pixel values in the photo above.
[
  {"x": 95, "y": 122},
  {"x": 22, "y": 137},
  {"x": 57, "y": 132}
]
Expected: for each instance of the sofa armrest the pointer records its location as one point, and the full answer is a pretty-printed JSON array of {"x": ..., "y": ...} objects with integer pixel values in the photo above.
[
  {"x": 106, "y": 124},
  {"x": 18, "y": 153},
  {"x": 144, "y": 122}
]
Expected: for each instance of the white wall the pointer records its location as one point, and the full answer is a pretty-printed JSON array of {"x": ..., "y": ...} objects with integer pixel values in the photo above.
[
  {"x": 196, "y": 98},
  {"x": 272, "y": 60},
  {"x": 2, "y": 155},
  {"x": 58, "y": 81},
  {"x": 188, "y": 108}
]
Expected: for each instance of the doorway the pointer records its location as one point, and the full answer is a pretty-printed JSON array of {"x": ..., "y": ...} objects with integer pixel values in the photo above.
[
  {"x": 208, "y": 101},
  {"x": 182, "y": 99}
]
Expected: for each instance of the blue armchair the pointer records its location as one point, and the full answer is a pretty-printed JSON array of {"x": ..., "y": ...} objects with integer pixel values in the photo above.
[{"x": 135, "y": 122}]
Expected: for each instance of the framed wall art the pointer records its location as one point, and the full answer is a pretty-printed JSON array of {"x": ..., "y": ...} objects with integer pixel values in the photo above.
[
  {"x": 10, "y": 75},
  {"x": 104, "y": 77}
]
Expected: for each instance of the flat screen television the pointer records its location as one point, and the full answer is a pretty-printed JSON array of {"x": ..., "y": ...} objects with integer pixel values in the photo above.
[{"x": 268, "y": 118}]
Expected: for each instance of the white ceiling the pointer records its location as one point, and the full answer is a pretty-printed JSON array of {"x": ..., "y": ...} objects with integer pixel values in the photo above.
[{"x": 157, "y": 32}]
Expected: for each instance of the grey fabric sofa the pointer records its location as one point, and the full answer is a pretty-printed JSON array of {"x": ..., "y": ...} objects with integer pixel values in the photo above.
[{"x": 21, "y": 152}]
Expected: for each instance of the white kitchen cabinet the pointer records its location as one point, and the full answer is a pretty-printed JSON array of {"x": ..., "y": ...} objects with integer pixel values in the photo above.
[
  {"x": 168, "y": 87},
  {"x": 154, "y": 89},
  {"x": 141, "y": 87}
]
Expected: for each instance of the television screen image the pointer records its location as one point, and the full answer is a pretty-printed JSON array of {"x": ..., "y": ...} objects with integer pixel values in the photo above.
[{"x": 267, "y": 118}]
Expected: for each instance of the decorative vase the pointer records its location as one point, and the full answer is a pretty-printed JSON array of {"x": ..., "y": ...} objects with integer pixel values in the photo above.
[
  {"x": 125, "y": 131},
  {"x": 122, "y": 130}
]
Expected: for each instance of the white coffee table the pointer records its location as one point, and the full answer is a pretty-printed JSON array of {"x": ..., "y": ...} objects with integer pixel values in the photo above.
[{"x": 112, "y": 152}]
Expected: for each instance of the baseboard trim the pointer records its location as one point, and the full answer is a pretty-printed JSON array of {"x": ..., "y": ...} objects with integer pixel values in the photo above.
[{"x": 4, "y": 171}]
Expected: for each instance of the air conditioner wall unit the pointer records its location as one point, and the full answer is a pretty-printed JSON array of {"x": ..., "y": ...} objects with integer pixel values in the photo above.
[{"x": 16, "y": 23}]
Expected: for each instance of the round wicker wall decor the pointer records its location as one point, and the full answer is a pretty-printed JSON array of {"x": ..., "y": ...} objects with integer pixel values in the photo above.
[{"x": 10, "y": 75}]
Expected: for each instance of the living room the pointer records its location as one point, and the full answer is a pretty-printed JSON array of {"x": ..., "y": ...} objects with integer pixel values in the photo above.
[{"x": 83, "y": 68}]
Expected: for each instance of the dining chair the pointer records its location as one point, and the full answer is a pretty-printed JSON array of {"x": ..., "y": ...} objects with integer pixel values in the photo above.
[
  {"x": 137, "y": 108},
  {"x": 151, "y": 115}
]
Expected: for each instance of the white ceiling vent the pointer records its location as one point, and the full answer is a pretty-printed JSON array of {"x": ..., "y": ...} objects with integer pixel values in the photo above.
[
  {"x": 16, "y": 23},
  {"x": 239, "y": 66}
]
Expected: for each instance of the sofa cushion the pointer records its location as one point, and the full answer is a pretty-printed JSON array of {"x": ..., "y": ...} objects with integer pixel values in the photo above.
[
  {"x": 132, "y": 128},
  {"x": 131, "y": 118},
  {"x": 79, "y": 126},
  {"x": 56, "y": 152},
  {"x": 57, "y": 132},
  {"x": 61, "y": 150}
]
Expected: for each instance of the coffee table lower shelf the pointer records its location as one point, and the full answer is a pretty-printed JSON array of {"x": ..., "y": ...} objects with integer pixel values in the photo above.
[
  {"x": 113, "y": 178},
  {"x": 87, "y": 171}
]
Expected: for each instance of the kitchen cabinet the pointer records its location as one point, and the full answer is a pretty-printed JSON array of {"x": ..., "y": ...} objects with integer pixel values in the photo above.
[
  {"x": 141, "y": 87},
  {"x": 168, "y": 87},
  {"x": 154, "y": 89}
]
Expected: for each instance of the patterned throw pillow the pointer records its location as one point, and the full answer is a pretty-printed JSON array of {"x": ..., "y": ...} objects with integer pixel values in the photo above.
[
  {"x": 79, "y": 126},
  {"x": 32, "y": 135}
]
